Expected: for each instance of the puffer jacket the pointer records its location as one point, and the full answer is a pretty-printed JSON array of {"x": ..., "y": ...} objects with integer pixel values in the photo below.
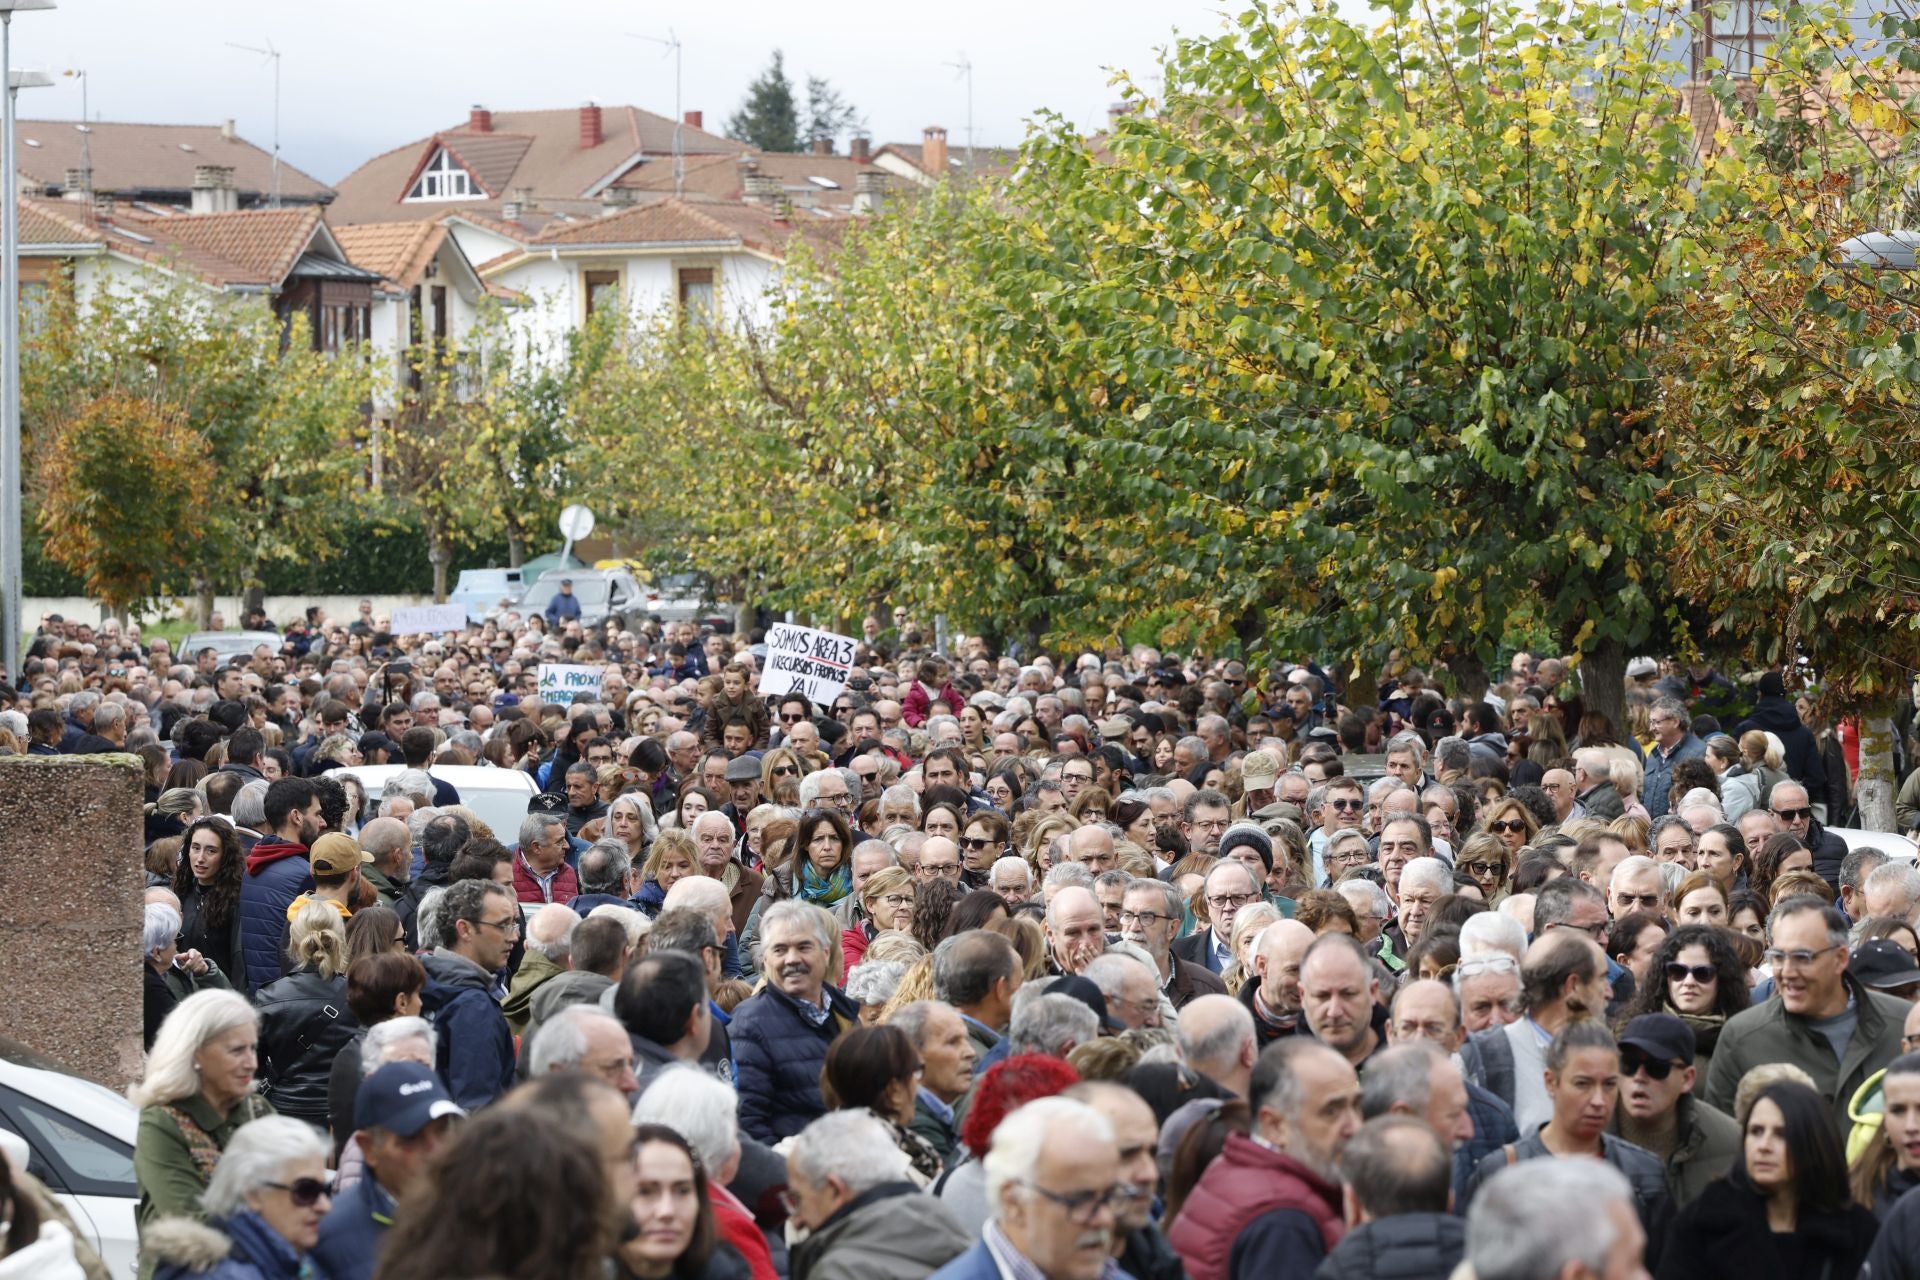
[
  {"x": 277, "y": 873},
  {"x": 242, "y": 1247},
  {"x": 475, "y": 1057},
  {"x": 1407, "y": 1246},
  {"x": 890, "y": 1232},
  {"x": 1799, "y": 748},
  {"x": 304, "y": 1024},
  {"x": 777, "y": 1057}
]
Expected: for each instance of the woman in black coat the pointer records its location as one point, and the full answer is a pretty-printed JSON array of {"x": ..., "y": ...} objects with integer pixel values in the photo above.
[
  {"x": 1783, "y": 1210},
  {"x": 305, "y": 1020},
  {"x": 207, "y": 882}
]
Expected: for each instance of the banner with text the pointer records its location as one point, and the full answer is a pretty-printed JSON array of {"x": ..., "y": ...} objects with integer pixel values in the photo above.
[
  {"x": 814, "y": 664},
  {"x": 429, "y": 619},
  {"x": 560, "y": 681}
]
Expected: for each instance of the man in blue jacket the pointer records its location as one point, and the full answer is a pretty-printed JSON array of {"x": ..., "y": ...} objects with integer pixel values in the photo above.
[
  {"x": 479, "y": 921},
  {"x": 404, "y": 1117},
  {"x": 277, "y": 872},
  {"x": 564, "y": 607},
  {"x": 781, "y": 1036}
]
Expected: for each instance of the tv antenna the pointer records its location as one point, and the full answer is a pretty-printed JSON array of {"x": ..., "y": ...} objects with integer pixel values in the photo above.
[
  {"x": 272, "y": 53},
  {"x": 965, "y": 68},
  {"x": 672, "y": 43}
]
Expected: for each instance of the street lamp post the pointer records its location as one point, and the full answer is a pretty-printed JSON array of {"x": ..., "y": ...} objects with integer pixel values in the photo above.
[{"x": 10, "y": 584}]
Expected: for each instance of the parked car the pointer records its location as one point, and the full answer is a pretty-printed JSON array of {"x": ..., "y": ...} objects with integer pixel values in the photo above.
[
  {"x": 228, "y": 644},
  {"x": 79, "y": 1136},
  {"x": 485, "y": 591},
  {"x": 498, "y": 797},
  {"x": 603, "y": 594},
  {"x": 1896, "y": 846}
]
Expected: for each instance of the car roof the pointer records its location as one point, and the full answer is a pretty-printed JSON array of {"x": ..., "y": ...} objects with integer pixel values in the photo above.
[
  {"x": 461, "y": 777},
  {"x": 229, "y": 639},
  {"x": 77, "y": 1096},
  {"x": 1898, "y": 847}
]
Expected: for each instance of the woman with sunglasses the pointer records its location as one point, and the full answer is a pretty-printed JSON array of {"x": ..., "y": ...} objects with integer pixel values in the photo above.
[
  {"x": 780, "y": 773},
  {"x": 982, "y": 843},
  {"x": 1783, "y": 1210},
  {"x": 1510, "y": 822},
  {"x": 263, "y": 1205},
  {"x": 1697, "y": 976},
  {"x": 1489, "y": 861}
]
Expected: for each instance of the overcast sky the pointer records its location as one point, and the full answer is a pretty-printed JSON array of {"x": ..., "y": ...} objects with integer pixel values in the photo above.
[{"x": 361, "y": 76}]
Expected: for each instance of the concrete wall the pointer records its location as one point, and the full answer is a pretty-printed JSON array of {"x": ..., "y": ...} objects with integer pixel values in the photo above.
[
  {"x": 279, "y": 608},
  {"x": 70, "y": 887}
]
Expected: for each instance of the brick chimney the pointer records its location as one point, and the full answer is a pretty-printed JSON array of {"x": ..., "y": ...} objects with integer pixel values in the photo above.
[
  {"x": 692, "y": 119},
  {"x": 592, "y": 133},
  {"x": 860, "y": 147},
  {"x": 933, "y": 150},
  {"x": 758, "y": 188},
  {"x": 823, "y": 146},
  {"x": 479, "y": 119},
  {"x": 213, "y": 189},
  {"x": 782, "y": 207}
]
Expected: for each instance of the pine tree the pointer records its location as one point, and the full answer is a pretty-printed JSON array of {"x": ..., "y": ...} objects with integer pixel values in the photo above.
[{"x": 769, "y": 119}]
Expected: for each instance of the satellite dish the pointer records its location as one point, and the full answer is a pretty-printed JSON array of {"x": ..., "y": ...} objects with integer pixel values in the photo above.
[{"x": 576, "y": 522}]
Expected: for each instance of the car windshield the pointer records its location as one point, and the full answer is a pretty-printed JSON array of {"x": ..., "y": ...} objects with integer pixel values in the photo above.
[{"x": 590, "y": 591}]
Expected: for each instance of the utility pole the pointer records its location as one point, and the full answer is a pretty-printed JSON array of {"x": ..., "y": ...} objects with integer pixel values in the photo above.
[
  {"x": 86, "y": 131},
  {"x": 672, "y": 43},
  {"x": 965, "y": 66},
  {"x": 273, "y": 201}
]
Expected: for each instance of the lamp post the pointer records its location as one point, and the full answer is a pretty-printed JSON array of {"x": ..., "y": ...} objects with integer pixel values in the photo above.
[{"x": 10, "y": 341}]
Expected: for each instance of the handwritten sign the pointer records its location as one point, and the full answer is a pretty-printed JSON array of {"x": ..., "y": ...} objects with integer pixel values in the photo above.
[
  {"x": 802, "y": 660},
  {"x": 429, "y": 619},
  {"x": 560, "y": 681}
]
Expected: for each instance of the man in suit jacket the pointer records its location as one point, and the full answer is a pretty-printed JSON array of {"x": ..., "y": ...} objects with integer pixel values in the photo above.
[{"x": 1229, "y": 887}]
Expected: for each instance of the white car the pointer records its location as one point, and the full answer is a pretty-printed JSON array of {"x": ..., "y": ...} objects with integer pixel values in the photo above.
[
  {"x": 498, "y": 797},
  {"x": 1896, "y": 846},
  {"x": 81, "y": 1140}
]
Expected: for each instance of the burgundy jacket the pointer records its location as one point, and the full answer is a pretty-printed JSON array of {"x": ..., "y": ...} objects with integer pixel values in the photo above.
[{"x": 1244, "y": 1182}]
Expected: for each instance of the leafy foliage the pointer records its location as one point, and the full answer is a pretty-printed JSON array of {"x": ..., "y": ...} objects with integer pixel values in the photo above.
[{"x": 770, "y": 118}]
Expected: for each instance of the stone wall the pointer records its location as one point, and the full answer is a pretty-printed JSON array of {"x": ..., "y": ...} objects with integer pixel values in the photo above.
[{"x": 71, "y": 882}]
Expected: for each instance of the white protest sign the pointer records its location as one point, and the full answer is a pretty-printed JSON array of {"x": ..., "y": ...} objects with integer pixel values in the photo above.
[
  {"x": 429, "y": 619},
  {"x": 802, "y": 660},
  {"x": 559, "y": 681}
]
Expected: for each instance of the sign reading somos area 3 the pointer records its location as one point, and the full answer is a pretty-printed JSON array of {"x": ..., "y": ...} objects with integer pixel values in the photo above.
[
  {"x": 560, "y": 681},
  {"x": 814, "y": 664}
]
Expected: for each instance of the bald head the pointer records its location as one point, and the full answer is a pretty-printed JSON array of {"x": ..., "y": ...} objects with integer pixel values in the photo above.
[
  {"x": 1216, "y": 1039},
  {"x": 550, "y": 931},
  {"x": 1076, "y": 928},
  {"x": 387, "y": 840},
  {"x": 1092, "y": 845},
  {"x": 1282, "y": 944}
]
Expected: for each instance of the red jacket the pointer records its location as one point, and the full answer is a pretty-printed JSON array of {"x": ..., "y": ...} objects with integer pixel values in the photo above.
[
  {"x": 1246, "y": 1181},
  {"x": 737, "y": 1228},
  {"x": 914, "y": 707},
  {"x": 526, "y": 886}
]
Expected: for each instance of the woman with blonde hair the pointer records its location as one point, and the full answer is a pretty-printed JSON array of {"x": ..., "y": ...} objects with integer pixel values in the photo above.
[
  {"x": 1247, "y": 924},
  {"x": 197, "y": 1091},
  {"x": 1041, "y": 838},
  {"x": 780, "y": 772},
  {"x": 304, "y": 1017},
  {"x": 1510, "y": 822},
  {"x": 1626, "y": 776}
]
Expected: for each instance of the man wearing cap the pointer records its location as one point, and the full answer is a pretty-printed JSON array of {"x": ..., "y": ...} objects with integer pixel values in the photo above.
[
  {"x": 1248, "y": 845},
  {"x": 1259, "y": 775},
  {"x": 564, "y": 607},
  {"x": 404, "y": 1117},
  {"x": 743, "y": 779},
  {"x": 1658, "y": 1111},
  {"x": 336, "y": 860},
  {"x": 1887, "y": 967}
]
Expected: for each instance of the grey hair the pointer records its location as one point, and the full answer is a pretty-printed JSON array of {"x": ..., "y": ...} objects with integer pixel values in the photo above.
[
  {"x": 82, "y": 700},
  {"x": 852, "y": 780},
  {"x": 249, "y": 807},
  {"x": 1675, "y": 708},
  {"x": 159, "y": 928},
  {"x": 1019, "y": 1139},
  {"x": 874, "y": 981},
  {"x": 810, "y": 786},
  {"x": 793, "y": 911},
  {"x": 1049, "y": 1024},
  {"x": 534, "y": 827},
  {"x": 1401, "y": 1074},
  {"x": 558, "y": 948},
  {"x": 1069, "y": 874},
  {"x": 1518, "y": 1227},
  {"x": 418, "y": 820},
  {"x": 561, "y": 1041},
  {"x": 698, "y": 1107},
  {"x": 604, "y": 866},
  {"x": 1376, "y": 895},
  {"x": 382, "y": 1038},
  {"x": 193, "y": 1022},
  {"x": 1431, "y": 872},
  {"x": 427, "y": 919},
  {"x": 849, "y": 1145},
  {"x": 1170, "y": 902},
  {"x": 1489, "y": 933},
  {"x": 913, "y": 1018},
  {"x": 899, "y": 794},
  {"x": 411, "y": 783},
  {"x": 1408, "y": 741},
  {"x": 257, "y": 1154},
  {"x": 1632, "y": 866},
  {"x": 1010, "y": 860},
  {"x": 108, "y": 714},
  {"x": 1110, "y": 971},
  {"x": 1903, "y": 876}
]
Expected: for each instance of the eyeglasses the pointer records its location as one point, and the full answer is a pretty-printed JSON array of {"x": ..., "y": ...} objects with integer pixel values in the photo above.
[
  {"x": 1227, "y": 901},
  {"x": 1347, "y": 806},
  {"x": 1486, "y": 868},
  {"x": 305, "y": 1192},
  {"x": 1148, "y": 918},
  {"x": 1796, "y": 959},
  {"x": 867, "y": 777},
  {"x": 1353, "y": 858},
  {"x": 1212, "y": 826},
  {"x": 510, "y": 926},
  {"x": 1792, "y": 815},
  {"x": 791, "y": 719},
  {"x": 1643, "y": 899},
  {"x": 1508, "y": 825},
  {"x": 1082, "y": 1207},
  {"x": 1700, "y": 973},
  {"x": 1596, "y": 930},
  {"x": 947, "y": 871},
  {"x": 896, "y": 900},
  {"x": 1076, "y": 777},
  {"x": 1632, "y": 1064}
]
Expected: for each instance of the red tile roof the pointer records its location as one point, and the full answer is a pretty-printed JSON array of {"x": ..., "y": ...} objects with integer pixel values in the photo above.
[
  {"x": 143, "y": 158},
  {"x": 691, "y": 222},
  {"x": 252, "y": 248},
  {"x": 400, "y": 251}
]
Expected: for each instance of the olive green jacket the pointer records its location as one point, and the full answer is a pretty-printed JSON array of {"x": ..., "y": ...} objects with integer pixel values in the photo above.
[{"x": 170, "y": 1181}]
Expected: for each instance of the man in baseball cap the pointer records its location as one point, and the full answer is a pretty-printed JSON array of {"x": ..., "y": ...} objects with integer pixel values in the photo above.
[
  {"x": 404, "y": 1117},
  {"x": 336, "y": 860},
  {"x": 1657, "y": 1109}
]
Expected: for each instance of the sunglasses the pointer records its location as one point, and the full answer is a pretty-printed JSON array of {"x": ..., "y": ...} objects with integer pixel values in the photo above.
[
  {"x": 1348, "y": 806},
  {"x": 1792, "y": 815},
  {"x": 1632, "y": 1064},
  {"x": 1700, "y": 973},
  {"x": 305, "y": 1192},
  {"x": 975, "y": 843},
  {"x": 1508, "y": 825},
  {"x": 784, "y": 771},
  {"x": 1486, "y": 868}
]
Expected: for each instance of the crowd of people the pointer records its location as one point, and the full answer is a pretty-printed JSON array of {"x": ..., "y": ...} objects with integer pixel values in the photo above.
[{"x": 1102, "y": 965}]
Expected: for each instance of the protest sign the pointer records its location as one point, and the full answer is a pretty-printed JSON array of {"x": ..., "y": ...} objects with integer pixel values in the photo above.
[
  {"x": 560, "y": 681},
  {"x": 429, "y": 619},
  {"x": 814, "y": 664}
]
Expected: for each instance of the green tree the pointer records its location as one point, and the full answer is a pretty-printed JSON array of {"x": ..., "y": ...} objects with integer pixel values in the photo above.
[
  {"x": 828, "y": 114},
  {"x": 770, "y": 118}
]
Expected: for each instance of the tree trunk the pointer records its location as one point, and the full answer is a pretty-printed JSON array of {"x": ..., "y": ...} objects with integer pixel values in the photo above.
[
  {"x": 202, "y": 602},
  {"x": 254, "y": 597},
  {"x": 1603, "y": 681},
  {"x": 440, "y": 556},
  {"x": 516, "y": 549},
  {"x": 1875, "y": 790},
  {"x": 1470, "y": 674}
]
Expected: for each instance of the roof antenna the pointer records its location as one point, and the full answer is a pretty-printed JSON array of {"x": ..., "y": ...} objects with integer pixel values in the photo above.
[
  {"x": 273, "y": 201},
  {"x": 965, "y": 67},
  {"x": 86, "y": 134},
  {"x": 672, "y": 42}
]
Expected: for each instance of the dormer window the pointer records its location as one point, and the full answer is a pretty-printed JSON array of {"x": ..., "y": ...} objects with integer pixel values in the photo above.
[{"x": 444, "y": 179}]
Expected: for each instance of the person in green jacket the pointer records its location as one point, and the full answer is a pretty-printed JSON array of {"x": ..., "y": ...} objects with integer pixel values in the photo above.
[{"x": 198, "y": 1090}]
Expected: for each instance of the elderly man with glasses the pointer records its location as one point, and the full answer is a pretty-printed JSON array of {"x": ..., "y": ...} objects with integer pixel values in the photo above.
[
  {"x": 1792, "y": 812},
  {"x": 1229, "y": 886}
]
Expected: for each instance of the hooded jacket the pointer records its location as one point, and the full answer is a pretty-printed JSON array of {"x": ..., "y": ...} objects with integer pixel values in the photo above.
[
  {"x": 242, "y": 1247},
  {"x": 277, "y": 873},
  {"x": 888, "y": 1232},
  {"x": 535, "y": 971},
  {"x": 475, "y": 1056},
  {"x": 1800, "y": 750}
]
